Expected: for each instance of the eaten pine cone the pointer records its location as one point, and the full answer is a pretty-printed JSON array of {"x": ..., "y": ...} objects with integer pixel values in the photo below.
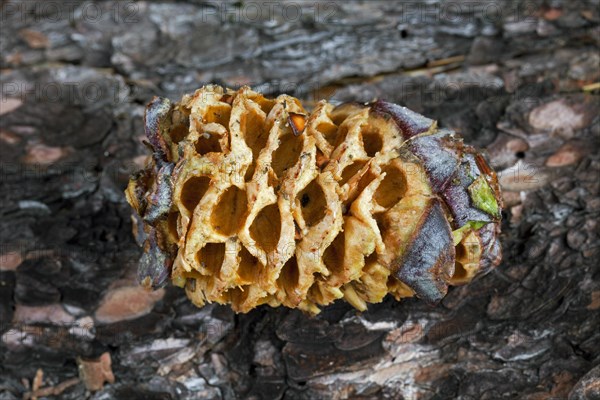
[{"x": 249, "y": 201}]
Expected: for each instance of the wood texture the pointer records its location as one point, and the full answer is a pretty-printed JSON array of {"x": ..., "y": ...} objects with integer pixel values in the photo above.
[{"x": 518, "y": 78}]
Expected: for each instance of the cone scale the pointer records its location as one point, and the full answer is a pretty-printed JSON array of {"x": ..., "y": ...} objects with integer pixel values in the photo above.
[{"x": 248, "y": 200}]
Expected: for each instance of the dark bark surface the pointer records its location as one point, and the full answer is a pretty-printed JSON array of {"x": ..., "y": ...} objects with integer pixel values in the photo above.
[{"x": 517, "y": 78}]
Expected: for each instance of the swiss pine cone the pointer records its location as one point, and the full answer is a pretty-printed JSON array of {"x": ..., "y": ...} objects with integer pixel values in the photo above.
[{"x": 250, "y": 201}]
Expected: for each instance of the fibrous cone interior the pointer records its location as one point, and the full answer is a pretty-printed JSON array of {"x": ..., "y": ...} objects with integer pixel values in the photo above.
[{"x": 249, "y": 201}]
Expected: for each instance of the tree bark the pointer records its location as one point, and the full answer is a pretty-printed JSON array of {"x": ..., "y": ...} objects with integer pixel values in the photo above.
[{"x": 518, "y": 79}]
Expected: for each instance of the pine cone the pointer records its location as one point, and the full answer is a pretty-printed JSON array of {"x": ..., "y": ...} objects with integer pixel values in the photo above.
[{"x": 250, "y": 201}]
